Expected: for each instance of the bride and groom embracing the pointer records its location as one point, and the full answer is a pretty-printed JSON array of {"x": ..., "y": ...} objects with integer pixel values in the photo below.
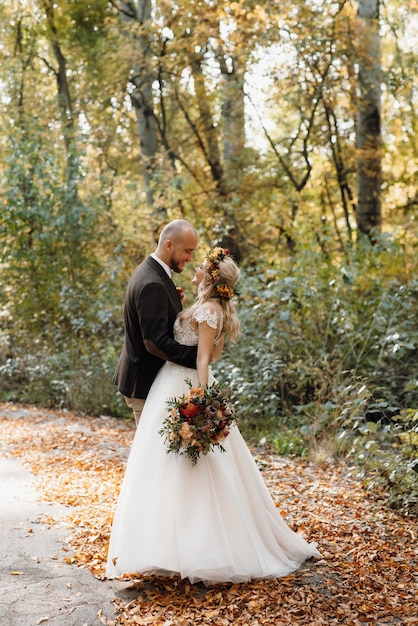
[{"x": 212, "y": 521}]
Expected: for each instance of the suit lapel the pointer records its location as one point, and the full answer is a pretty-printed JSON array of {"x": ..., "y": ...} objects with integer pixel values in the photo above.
[{"x": 167, "y": 280}]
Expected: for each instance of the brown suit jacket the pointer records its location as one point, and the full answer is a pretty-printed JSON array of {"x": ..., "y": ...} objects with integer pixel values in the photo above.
[{"x": 151, "y": 307}]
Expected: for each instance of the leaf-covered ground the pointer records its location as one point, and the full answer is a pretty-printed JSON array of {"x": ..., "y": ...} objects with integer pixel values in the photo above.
[{"x": 368, "y": 573}]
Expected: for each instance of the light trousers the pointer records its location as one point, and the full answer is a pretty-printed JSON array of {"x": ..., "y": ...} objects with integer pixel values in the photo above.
[{"x": 136, "y": 405}]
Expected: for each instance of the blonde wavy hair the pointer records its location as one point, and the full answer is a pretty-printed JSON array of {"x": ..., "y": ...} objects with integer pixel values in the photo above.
[{"x": 206, "y": 291}]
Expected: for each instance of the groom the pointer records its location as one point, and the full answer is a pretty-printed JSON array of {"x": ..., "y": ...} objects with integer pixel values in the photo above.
[{"x": 151, "y": 306}]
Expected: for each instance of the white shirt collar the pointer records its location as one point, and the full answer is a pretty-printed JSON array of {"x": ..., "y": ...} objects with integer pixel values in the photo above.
[{"x": 168, "y": 269}]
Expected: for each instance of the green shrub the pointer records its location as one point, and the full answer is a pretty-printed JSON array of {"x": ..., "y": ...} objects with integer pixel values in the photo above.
[
  {"x": 383, "y": 447},
  {"x": 65, "y": 380},
  {"x": 309, "y": 326}
]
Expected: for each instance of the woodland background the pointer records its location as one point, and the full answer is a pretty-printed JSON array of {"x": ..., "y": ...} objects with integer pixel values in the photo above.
[{"x": 284, "y": 131}]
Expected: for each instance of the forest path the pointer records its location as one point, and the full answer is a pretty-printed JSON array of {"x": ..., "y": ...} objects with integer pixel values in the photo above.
[{"x": 59, "y": 479}]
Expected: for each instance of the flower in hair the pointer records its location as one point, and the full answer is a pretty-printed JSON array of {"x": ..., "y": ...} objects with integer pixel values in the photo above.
[{"x": 222, "y": 290}]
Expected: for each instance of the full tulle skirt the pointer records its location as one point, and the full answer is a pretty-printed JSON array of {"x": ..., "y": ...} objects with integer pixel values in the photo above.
[{"x": 214, "y": 521}]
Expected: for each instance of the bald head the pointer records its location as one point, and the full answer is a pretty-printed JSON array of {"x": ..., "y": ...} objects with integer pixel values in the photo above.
[
  {"x": 175, "y": 231},
  {"x": 176, "y": 245}
]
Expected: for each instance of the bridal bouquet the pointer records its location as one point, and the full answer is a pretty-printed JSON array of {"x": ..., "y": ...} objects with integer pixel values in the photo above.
[{"x": 198, "y": 421}]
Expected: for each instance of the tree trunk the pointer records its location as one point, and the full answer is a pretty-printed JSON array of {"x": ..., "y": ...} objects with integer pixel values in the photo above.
[
  {"x": 134, "y": 14},
  {"x": 369, "y": 143},
  {"x": 233, "y": 111},
  {"x": 233, "y": 143},
  {"x": 210, "y": 132},
  {"x": 65, "y": 105}
]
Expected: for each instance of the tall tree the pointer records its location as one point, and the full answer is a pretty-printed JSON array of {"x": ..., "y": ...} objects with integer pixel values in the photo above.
[
  {"x": 136, "y": 20},
  {"x": 369, "y": 139}
]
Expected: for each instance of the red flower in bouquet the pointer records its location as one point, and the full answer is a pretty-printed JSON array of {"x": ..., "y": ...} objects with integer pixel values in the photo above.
[
  {"x": 189, "y": 409},
  {"x": 198, "y": 421}
]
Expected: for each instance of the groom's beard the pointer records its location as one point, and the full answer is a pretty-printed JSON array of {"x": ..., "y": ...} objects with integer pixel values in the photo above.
[{"x": 176, "y": 266}]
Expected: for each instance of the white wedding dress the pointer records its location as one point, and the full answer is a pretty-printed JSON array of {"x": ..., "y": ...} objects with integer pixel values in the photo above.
[{"x": 214, "y": 521}]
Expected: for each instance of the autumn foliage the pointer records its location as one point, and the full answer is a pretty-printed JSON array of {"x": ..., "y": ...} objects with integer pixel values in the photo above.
[{"x": 369, "y": 554}]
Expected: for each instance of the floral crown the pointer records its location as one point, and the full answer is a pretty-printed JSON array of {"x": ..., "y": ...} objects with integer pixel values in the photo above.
[{"x": 222, "y": 290}]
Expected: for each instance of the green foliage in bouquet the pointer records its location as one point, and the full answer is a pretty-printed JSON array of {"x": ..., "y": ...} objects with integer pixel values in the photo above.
[{"x": 198, "y": 421}]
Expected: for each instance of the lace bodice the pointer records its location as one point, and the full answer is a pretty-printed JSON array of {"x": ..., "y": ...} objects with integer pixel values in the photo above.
[{"x": 187, "y": 334}]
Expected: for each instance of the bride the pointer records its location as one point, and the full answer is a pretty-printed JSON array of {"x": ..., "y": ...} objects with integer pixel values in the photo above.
[{"x": 214, "y": 521}]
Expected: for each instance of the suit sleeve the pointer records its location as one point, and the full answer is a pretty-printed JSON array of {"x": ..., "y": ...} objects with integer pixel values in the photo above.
[{"x": 154, "y": 314}]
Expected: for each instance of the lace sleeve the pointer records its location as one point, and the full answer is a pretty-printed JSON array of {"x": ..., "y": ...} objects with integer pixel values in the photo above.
[{"x": 210, "y": 317}]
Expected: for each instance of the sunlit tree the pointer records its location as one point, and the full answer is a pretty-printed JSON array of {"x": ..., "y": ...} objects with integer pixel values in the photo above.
[{"x": 369, "y": 137}]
